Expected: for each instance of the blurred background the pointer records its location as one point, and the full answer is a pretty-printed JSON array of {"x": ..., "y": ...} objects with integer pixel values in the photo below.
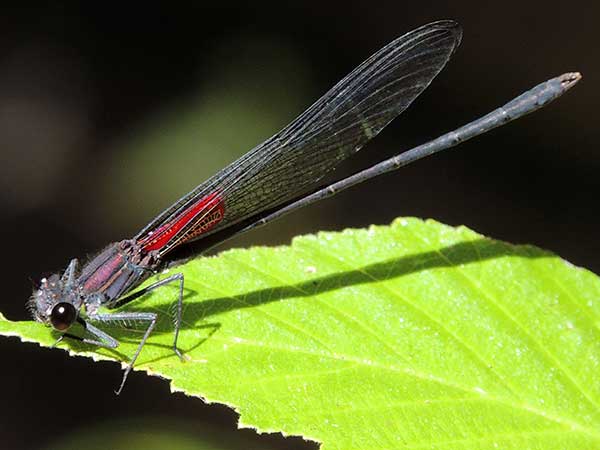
[{"x": 108, "y": 114}]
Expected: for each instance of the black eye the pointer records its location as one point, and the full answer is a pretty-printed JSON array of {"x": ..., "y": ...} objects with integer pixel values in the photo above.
[{"x": 62, "y": 316}]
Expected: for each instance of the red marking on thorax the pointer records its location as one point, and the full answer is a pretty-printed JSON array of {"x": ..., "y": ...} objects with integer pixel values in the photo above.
[
  {"x": 104, "y": 273},
  {"x": 208, "y": 209}
]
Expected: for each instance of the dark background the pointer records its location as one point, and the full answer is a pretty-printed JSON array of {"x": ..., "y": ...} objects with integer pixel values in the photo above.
[{"x": 109, "y": 113}]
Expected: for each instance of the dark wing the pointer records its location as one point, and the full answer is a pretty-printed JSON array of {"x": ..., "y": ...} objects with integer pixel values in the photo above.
[{"x": 354, "y": 111}]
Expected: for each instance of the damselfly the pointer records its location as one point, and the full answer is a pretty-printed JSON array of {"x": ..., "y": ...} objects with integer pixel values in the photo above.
[{"x": 276, "y": 177}]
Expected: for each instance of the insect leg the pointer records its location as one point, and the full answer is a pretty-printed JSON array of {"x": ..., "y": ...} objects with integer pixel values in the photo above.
[
  {"x": 124, "y": 317},
  {"x": 101, "y": 339},
  {"x": 178, "y": 314}
]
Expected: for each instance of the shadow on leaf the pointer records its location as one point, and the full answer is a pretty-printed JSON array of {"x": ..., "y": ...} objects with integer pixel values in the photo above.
[{"x": 451, "y": 256}]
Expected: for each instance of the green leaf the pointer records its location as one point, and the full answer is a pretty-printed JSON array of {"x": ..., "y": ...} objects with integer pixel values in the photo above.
[{"x": 414, "y": 335}]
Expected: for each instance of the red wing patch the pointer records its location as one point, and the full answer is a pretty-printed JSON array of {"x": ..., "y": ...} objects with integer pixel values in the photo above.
[{"x": 203, "y": 215}]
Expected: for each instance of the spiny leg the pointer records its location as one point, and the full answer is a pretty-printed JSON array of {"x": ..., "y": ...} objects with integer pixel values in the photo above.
[
  {"x": 178, "y": 314},
  {"x": 125, "y": 317},
  {"x": 69, "y": 275},
  {"x": 102, "y": 339}
]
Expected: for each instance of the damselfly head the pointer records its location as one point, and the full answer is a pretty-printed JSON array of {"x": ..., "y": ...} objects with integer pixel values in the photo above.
[{"x": 55, "y": 303}]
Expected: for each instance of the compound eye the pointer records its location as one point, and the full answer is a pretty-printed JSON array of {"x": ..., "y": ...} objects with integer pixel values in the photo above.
[{"x": 62, "y": 316}]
